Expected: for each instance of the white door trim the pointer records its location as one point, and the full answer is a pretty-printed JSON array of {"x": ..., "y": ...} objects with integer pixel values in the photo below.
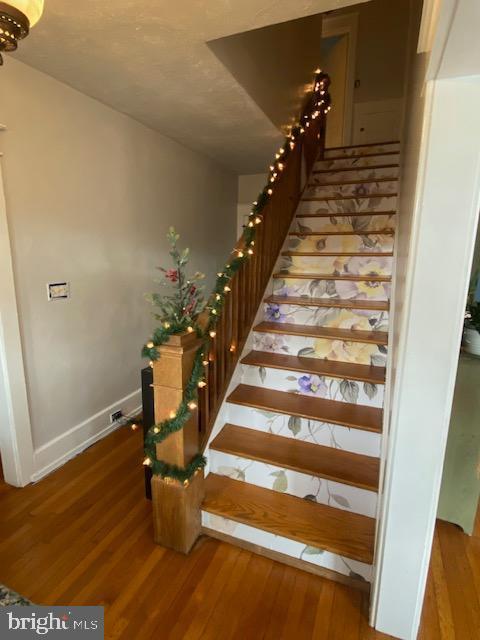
[
  {"x": 346, "y": 24},
  {"x": 441, "y": 252},
  {"x": 16, "y": 443}
]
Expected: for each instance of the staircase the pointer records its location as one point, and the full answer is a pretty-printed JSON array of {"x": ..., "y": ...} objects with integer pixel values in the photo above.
[{"x": 294, "y": 472}]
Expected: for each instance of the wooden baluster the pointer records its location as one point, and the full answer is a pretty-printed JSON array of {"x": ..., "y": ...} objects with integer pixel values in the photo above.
[
  {"x": 235, "y": 323},
  {"x": 249, "y": 284},
  {"x": 220, "y": 352},
  {"x": 243, "y": 307},
  {"x": 212, "y": 377}
]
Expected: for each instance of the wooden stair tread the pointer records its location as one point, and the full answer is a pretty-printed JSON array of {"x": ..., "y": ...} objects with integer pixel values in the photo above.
[
  {"x": 335, "y": 530},
  {"x": 363, "y": 144},
  {"x": 344, "y": 214},
  {"x": 316, "y": 366},
  {"x": 293, "y": 404},
  {"x": 328, "y": 276},
  {"x": 351, "y": 254},
  {"x": 346, "y": 197},
  {"x": 336, "y": 184},
  {"x": 359, "y": 155},
  {"x": 371, "y": 305},
  {"x": 339, "y": 169},
  {"x": 304, "y": 457},
  {"x": 329, "y": 333},
  {"x": 380, "y": 232}
]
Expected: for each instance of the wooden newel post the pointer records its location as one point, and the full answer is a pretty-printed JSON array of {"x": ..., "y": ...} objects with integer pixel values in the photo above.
[{"x": 176, "y": 507}]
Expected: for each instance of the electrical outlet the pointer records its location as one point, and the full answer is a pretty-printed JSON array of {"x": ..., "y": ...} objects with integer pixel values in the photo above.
[{"x": 116, "y": 416}]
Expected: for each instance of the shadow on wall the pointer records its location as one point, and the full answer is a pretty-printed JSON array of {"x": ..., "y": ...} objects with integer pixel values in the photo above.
[{"x": 274, "y": 64}]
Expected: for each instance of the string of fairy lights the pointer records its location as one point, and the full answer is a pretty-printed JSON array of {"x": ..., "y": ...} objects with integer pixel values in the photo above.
[{"x": 319, "y": 103}]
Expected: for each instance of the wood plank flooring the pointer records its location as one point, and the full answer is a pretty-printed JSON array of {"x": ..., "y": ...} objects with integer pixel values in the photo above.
[{"x": 83, "y": 535}]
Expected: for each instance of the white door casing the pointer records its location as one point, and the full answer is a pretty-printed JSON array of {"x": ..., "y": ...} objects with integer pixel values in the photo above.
[{"x": 16, "y": 444}]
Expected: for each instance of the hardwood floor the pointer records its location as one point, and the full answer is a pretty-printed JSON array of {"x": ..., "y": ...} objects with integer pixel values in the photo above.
[{"x": 83, "y": 535}]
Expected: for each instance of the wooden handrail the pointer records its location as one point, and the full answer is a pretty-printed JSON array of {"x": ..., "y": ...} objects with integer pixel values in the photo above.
[{"x": 249, "y": 283}]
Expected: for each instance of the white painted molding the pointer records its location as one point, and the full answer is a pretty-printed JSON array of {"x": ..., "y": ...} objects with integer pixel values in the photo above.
[
  {"x": 66, "y": 446},
  {"x": 428, "y": 351},
  {"x": 428, "y": 25},
  {"x": 16, "y": 443}
]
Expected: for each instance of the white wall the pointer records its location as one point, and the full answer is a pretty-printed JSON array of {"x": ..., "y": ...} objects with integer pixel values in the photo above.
[{"x": 90, "y": 194}]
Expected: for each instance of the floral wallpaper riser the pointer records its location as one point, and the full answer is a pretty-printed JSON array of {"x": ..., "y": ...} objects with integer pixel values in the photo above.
[
  {"x": 359, "y": 190},
  {"x": 367, "y": 161},
  {"x": 308, "y": 384},
  {"x": 368, "y": 173},
  {"x": 344, "y": 289},
  {"x": 370, "y": 149},
  {"x": 348, "y": 206},
  {"x": 361, "y": 224},
  {"x": 358, "y": 243},
  {"x": 338, "y": 265},
  {"x": 338, "y": 317},
  {"x": 337, "y": 350},
  {"x": 328, "y": 435}
]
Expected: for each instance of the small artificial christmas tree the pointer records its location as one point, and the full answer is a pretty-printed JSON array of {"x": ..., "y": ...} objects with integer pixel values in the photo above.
[{"x": 183, "y": 301}]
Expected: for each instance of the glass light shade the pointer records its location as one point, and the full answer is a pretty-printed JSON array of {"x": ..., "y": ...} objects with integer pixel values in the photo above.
[{"x": 33, "y": 9}]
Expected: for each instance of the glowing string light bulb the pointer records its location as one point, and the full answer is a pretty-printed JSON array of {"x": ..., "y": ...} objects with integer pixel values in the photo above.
[
  {"x": 212, "y": 334},
  {"x": 226, "y": 288},
  {"x": 202, "y": 384},
  {"x": 192, "y": 405},
  {"x": 147, "y": 462},
  {"x": 190, "y": 329},
  {"x": 150, "y": 345}
]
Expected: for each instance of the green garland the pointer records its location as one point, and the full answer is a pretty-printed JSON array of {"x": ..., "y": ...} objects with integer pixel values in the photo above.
[
  {"x": 181, "y": 474},
  {"x": 156, "y": 434}
]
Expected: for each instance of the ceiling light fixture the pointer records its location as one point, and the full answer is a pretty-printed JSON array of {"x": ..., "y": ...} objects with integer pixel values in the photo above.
[{"x": 16, "y": 19}]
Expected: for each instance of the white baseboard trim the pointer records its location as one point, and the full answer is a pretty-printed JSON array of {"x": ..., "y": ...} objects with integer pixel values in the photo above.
[{"x": 59, "y": 450}]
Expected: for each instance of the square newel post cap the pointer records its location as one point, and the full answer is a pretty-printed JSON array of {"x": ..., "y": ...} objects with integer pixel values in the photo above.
[{"x": 174, "y": 365}]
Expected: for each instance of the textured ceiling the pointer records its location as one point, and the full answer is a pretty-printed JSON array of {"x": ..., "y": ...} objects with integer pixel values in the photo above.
[{"x": 151, "y": 61}]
